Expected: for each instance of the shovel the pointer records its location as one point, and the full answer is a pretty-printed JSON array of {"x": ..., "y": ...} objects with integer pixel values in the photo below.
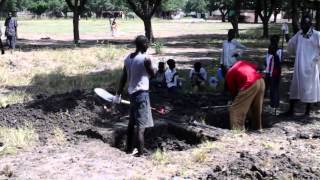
[{"x": 109, "y": 97}]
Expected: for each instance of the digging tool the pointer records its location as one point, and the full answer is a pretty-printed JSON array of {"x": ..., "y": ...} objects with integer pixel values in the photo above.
[
  {"x": 109, "y": 97},
  {"x": 216, "y": 107}
]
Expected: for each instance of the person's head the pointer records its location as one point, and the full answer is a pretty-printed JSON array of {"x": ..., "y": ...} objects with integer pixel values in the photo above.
[
  {"x": 197, "y": 66},
  {"x": 171, "y": 63},
  {"x": 161, "y": 66},
  {"x": 274, "y": 40},
  {"x": 142, "y": 43},
  {"x": 306, "y": 23},
  {"x": 272, "y": 49},
  {"x": 9, "y": 14},
  {"x": 231, "y": 34}
]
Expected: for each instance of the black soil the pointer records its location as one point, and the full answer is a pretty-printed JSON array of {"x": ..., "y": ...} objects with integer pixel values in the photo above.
[{"x": 78, "y": 111}]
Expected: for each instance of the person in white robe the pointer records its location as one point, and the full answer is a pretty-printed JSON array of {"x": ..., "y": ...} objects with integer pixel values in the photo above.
[{"x": 305, "y": 84}]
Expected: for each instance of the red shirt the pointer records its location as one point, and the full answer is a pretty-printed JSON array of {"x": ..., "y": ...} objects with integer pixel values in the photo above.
[{"x": 241, "y": 76}]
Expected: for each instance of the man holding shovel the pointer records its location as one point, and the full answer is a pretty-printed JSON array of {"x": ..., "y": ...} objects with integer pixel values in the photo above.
[
  {"x": 137, "y": 70},
  {"x": 247, "y": 87}
]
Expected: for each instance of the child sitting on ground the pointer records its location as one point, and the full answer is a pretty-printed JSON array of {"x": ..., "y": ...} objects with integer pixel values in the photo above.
[
  {"x": 198, "y": 76},
  {"x": 172, "y": 77},
  {"x": 273, "y": 70},
  {"x": 160, "y": 79}
]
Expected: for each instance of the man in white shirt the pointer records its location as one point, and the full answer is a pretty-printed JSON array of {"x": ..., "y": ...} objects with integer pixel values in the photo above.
[
  {"x": 305, "y": 84},
  {"x": 172, "y": 77},
  {"x": 231, "y": 50},
  {"x": 198, "y": 76},
  {"x": 137, "y": 70}
]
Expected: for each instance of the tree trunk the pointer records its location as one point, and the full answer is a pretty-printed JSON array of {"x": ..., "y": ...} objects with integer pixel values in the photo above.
[
  {"x": 148, "y": 29},
  {"x": 295, "y": 16},
  {"x": 235, "y": 18},
  {"x": 2, "y": 2},
  {"x": 76, "y": 35},
  {"x": 98, "y": 14},
  {"x": 256, "y": 17},
  {"x": 275, "y": 16},
  {"x": 265, "y": 22},
  {"x": 318, "y": 16},
  {"x": 223, "y": 15}
]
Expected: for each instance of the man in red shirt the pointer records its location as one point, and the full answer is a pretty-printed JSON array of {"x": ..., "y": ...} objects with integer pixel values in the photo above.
[{"x": 247, "y": 87}]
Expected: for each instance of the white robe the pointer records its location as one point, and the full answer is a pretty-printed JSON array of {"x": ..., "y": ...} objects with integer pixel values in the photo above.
[{"x": 305, "y": 84}]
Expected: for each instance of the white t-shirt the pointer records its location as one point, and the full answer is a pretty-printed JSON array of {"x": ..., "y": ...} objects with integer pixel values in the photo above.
[
  {"x": 229, "y": 50},
  {"x": 202, "y": 72},
  {"x": 270, "y": 63},
  {"x": 169, "y": 76},
  {"x": 138, "y": 77}
]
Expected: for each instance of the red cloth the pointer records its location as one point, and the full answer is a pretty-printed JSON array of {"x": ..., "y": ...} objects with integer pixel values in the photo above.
[{"x": 241, "y": 76}]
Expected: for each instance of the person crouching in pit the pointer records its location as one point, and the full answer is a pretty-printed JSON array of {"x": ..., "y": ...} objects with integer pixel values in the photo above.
[
  {"x": 137, "y": 70},
  {"x": 247, "y": 87}
]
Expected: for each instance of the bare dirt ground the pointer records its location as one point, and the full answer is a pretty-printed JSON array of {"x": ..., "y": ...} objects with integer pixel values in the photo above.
[{"x": 288, "y": 148}]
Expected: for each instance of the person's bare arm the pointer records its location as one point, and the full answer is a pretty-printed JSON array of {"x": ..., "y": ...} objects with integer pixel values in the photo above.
[
  {"x": 149, "y": 68},
  {"x": 123, "y": 81}
]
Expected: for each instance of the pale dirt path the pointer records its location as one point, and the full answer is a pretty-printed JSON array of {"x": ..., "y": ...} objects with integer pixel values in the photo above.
[{"x": 92, "y": 159}]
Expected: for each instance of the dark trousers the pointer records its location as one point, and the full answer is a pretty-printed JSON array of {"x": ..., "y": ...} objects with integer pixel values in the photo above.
[
  {"x": 131, "y": 138},
  {"x": 140, "y": 119},
  {"x": 11, "y": 41},
  {"x": 274, "y": 91}
]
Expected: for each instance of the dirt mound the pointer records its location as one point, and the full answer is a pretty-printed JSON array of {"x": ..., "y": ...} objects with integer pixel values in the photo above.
[
  {"x": 265, "y": 165},
  {"x": 79, "y": 110},
  {"x": 69, "y": 112}
]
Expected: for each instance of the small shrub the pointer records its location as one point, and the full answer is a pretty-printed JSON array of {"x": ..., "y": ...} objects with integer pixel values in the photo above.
[
  {"x": 158, "y": 46},
  {"x": 200, "y": 155},
  {"x": 160, "y": 156},
  {"x": 59, "y": 136}
]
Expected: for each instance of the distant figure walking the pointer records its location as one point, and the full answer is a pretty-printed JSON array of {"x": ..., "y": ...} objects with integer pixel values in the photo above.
[
  {"x": 114, "y": 26},
  {"x": 11, "y": 31}
]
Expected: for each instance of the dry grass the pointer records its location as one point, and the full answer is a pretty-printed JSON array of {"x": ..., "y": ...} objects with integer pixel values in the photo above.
[
  {"x": 59, "y": 136},
  {"x": 202, "y": 153},
  {"x": 160, "y": 157},
  {"x": 25, "y": 74},
  {"x": 15, "y": 139}
]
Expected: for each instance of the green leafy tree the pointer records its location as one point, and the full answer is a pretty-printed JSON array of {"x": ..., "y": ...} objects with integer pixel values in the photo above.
[
  {"x": 77, "y": 7},
  {"x": 11, "y": 6},
  {"x": 2, "y": 3},
  {"x": 38, "y": 7},
  {"x": 199, "y": 6},
  {"x": 98, "y": 6},
  {"x": 223, "y": 6},
  {"x": 265, "y": 9},
  {"x": 173, "y": 5},
  {"x": 145, "y": 10}
]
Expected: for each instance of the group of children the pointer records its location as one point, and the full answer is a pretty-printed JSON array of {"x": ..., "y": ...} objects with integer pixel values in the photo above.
[
  {"x": 169, "y": 78},
  {"x": 231, "y": 52}
]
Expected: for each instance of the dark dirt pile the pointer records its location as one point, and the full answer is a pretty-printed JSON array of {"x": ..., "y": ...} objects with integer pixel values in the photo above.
[
  {"x": 264, "y": 165},
  {"x": 70, "y": 112},
  {"x": 80, "y": 110}
]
